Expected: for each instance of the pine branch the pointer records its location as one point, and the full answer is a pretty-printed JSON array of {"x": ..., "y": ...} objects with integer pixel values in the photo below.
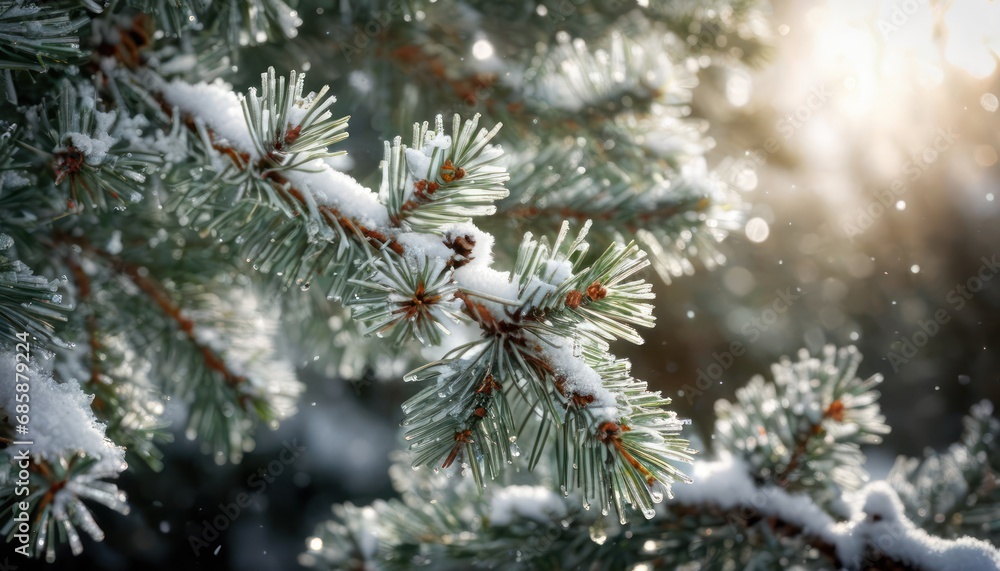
[
  {"x": 29, "y": 304},
  {"x": 95, "y": 154},
  {"x": 68, "y": 460},
  {"x": 241, "y": 23},
  {"x": 956, "y": 493},
  {"x": 629, "y": 468},
  {"x": 443, "y": 179},
  {"x": 37, "y": 37},
  {"x": 813, "y": 443},
  {"x": 132, "y": 415},
  {"x": 226, "y": 396},
  {"x": 631, "y": 158},
  {"x": 728, "y": 518}
]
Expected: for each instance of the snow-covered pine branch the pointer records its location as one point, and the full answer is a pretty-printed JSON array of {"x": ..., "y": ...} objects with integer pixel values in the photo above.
[
  {"x": 28, "y": 303},
  {"x": 743, "y": 507},
  {"x": 209, "y": 339},
  {"x": 99, "y": 157},
  {"x": 430, "y": 263},
  {"x": 71, "y": 460}
]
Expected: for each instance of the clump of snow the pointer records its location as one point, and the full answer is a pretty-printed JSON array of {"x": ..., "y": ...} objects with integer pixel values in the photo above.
[
  {"x": 221, "y": 111},
  {"x": 878, "y": 525},
  {"x": 301, "y": 107},
  {"x": 61, "y": 421},
  {"x": 536, "y": 503},
  {"x": 217, "y": 106},
  {"x": 482, "y": 251},
  {"x": 437, "y": 141},
  {"x": 550, "y": 276},
  {"x": 128, "y": 127},
  {"x": 342, "y": 162},
  {"x": 341, "y": 191},
  {"x": 173, "y": 149},
  {"x": 489, "y": 287},
  {"x": 94, "y": 149},
  {"x": 419, "y": 247},
  {"x": 556, "y": 271},
  {"x": 727, "y": 484},
  {"x": 419, "y": 164},
  {"x": 579, "y": 378},
  {"x": 12, "y": 180}
]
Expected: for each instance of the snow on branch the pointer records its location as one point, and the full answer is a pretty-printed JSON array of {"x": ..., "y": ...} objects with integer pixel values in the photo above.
[
  {"x": 730, "y": 514},
  {"x": 28, "y": 302},
  {"x": 221, "y": 110},
  {"x": 70, "y": 456},
  {"x": 876, "y": 526},
  {"x": 434, "y": 263}
]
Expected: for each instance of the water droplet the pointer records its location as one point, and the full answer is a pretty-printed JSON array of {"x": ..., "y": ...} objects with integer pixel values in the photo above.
[
  {"x": 597, "y": 533},
  {"x": 304, "y": 287},
  {"x": 515, "y": 450}
]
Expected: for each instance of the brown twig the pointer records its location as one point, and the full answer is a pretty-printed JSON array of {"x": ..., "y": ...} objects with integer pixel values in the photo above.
[{"x": 139, "y": 276}]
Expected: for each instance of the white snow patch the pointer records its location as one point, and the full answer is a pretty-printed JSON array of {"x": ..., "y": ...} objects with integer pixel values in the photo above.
[
  {"x": 419, "y": 164},
  {"x": 340, "y": 190},
  {"x": 482, "y": 281},
  {"x": 11, "y": 180},
  {"x": 220, "y": 109},
  {"x": 94, "y": 149},
  {"x": 342, "y": 162},
  {"x": 437, "y": 141},
  {"x": 216, "y": 105},
  {"x": 877, "y": 520},
  {"x": 580, "y": 378},
  {"x": 62, "y": 422},
  {"x": 881, "y": 524},
  {"x": 551, "y": 275},
  {"x": 536, "y": 503},
  {"x": 419, "y": 247},
  {"x": 482, "y": 251}
]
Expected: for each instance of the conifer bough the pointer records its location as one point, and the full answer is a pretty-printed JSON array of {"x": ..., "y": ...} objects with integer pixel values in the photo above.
[
  {"x": 545, "y": 326},
  {"x": 148, "y": 189}
]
